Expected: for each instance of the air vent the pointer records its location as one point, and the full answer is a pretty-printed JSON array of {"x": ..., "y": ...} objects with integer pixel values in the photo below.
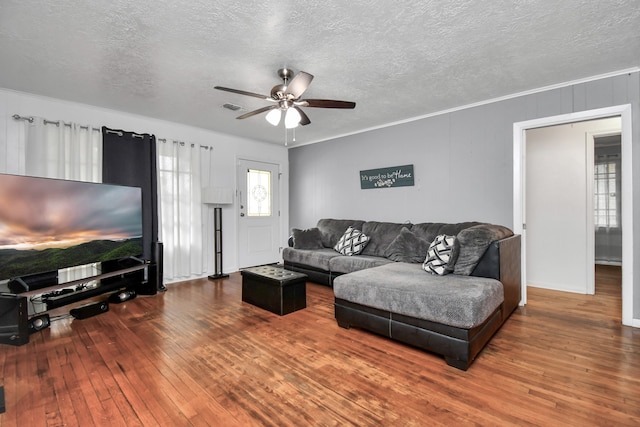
[{"x": 232, "y": 107}]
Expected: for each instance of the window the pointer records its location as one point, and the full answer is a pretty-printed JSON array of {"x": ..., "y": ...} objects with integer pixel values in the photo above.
[
  {"x": 258, "y": 193},
  {"x": 606, "y": 200}
]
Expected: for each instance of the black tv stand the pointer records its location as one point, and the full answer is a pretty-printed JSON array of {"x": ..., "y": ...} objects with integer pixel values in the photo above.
[
  {"x": 128, "y": 273},
  {"x": 61, "y": 297}
]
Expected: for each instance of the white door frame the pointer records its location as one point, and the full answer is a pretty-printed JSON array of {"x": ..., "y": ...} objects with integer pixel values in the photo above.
[
  {"x": 519, "y": 162},
  {"x": 276, "y": 207}
]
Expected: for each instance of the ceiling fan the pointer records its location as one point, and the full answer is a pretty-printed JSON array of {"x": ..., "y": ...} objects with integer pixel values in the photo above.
[{"x": 286, "y": 99}]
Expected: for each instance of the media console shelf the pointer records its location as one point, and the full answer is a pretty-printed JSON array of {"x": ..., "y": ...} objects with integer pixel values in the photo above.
[
  {"x": 83, "y": 280},
  {"x": 132, "y": 274},
  {"x": 90, "y": 287}
]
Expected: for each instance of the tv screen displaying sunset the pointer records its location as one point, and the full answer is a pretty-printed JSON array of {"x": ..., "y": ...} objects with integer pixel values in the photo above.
[{"x": 49, "y": 224}]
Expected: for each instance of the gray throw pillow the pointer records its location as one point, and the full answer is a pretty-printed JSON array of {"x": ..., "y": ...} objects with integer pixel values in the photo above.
[
  {"x": 407, "y": 247},
  {"x": 306, "y": 239}
]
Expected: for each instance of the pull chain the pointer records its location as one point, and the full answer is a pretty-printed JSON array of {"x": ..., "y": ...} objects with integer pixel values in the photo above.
[{"x": 285, "y": 136}]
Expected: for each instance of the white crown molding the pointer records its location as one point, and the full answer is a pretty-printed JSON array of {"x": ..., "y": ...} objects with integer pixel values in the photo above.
[{"x": 480, "y": 103}]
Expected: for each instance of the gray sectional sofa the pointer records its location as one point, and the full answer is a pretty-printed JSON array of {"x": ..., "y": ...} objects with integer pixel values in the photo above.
[{"x": 386, "y": 290}]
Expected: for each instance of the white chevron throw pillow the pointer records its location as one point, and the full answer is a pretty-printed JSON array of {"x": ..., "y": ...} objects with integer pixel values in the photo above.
[
  {"x": 441, "y": 255},
  {"x": 352, "y": 242}
]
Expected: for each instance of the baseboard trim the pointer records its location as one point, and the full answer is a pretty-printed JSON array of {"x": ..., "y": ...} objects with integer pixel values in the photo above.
[{"x": 552, "y": 287}]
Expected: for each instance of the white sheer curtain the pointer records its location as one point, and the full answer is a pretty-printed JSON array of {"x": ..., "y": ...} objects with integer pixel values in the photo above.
[
  {"x": 180, "y": 208},
  {"x": 59, "y": 150},
  {"x": 63, "y": 150},
  {"x": 12, "y": 147}
]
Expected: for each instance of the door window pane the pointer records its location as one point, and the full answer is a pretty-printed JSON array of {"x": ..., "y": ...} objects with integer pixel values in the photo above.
[{"x": 258, "y": 193}]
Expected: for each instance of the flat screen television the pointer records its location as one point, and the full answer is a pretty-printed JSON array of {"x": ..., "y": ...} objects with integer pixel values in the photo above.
[{"x": 47, "y": 225}]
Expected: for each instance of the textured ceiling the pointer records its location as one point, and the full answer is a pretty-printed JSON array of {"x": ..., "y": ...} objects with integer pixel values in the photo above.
[{"x": 396, "y": 60}]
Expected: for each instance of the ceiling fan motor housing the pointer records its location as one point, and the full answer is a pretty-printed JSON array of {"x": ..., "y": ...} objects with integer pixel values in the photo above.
[{"x": 278, "y": 92}]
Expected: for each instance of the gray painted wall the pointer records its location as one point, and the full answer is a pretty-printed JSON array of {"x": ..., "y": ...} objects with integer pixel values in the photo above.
[{"x": 463, "y": 162}]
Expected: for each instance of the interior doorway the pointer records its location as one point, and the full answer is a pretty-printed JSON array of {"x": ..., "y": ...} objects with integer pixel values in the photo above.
[
  {"x": 559, "y": 204},
  {"x": 626, "y": 214}
]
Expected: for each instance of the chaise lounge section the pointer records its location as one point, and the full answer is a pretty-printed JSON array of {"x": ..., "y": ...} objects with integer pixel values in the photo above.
[{"x": 386, "y": 290}]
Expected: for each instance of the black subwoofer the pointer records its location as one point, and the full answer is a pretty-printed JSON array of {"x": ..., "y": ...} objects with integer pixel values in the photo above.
[{"x": 14, "y": 326}]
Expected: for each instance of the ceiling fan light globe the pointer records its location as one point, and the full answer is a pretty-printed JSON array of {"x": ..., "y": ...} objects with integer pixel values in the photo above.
[
  {"x": 292, "y": 118},
  {"x": 273, "y": 117}
]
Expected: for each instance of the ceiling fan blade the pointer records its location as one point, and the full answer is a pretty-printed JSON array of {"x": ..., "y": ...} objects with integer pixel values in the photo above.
[
  {"x": 304, "y": 119},
  {"x": 258, "y": 111},
  {"x": 326, "y": 103},
  {"x": 299, "y": 84},
  {"x": 242, "y": 92}
]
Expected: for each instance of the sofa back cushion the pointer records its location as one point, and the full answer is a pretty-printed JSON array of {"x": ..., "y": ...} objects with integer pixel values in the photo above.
[
  {"x": 381, "y": 234},
  {"x": 407, "y": 247},
  {"x": 332, "y": 229},
  {"x": 429, "y": 230},
  {"x": 474, "y": 241}
]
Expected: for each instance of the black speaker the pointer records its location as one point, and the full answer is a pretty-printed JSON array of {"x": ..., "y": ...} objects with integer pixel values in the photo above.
[
  {"x": 152, "y": 281},
  {"x": 159, "y": 259},
  {"x": 38, "y": 323},
  {"x": 90, "y": 310},
  {"x": 14, "y": 327},
  {"x": 122, "y": 296},
  {"x": 33, "y": 281}
]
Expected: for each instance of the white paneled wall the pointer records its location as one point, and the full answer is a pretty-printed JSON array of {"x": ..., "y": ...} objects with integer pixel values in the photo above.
[{"x": 226, "y": 149}]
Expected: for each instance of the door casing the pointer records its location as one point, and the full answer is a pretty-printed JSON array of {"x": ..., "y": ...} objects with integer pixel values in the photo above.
[
  {"x": 266, "y": 229},
  {"x": 519, "y": 162}
]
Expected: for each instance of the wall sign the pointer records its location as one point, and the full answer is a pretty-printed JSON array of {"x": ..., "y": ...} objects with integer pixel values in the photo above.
[{"x": 395, "y": 176}]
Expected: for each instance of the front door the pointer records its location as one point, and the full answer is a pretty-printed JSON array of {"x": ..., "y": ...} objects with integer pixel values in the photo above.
[{"x": 259, "y": 211}]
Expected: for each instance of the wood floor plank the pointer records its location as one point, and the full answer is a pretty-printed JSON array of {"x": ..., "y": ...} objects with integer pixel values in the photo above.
[{"x": 197, "y": 356}]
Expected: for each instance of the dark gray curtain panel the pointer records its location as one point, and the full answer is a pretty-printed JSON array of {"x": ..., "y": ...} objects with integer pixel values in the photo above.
[{"x": 129, "y": 158}]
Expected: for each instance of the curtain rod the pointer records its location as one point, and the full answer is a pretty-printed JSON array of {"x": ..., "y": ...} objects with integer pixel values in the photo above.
[
  {"x": 18, "y": 117},
  {"x": 164, "y": 140},
  {"x": 57, "y": 123},
  {"x": 50, "y": 122}
]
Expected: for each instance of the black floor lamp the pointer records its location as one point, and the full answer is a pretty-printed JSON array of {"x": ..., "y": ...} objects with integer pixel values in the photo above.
[{"x": 217, "y": 196}]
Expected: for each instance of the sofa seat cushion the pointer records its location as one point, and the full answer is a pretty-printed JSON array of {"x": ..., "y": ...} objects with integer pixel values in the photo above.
[
  {"x": 348, "y": 264},
  {"x": 316, "y": 258},
  {"x": 403, "y": 288}
]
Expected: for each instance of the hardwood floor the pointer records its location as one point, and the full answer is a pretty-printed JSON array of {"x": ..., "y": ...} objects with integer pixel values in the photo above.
[{"x": 197, "y": 355}]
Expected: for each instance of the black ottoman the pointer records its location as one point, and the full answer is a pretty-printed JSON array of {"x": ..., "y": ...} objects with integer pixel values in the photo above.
[{"x": 275, "y": 289}]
